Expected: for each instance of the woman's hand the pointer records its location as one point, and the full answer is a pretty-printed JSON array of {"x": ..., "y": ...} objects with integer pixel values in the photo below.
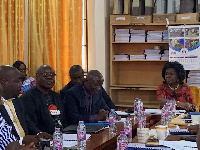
[
  {"x": 187, "y": 106},
  {"x": 163, "y": 101}
]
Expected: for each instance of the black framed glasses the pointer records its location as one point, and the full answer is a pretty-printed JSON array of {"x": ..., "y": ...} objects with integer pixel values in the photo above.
[{"x": 45, "y": 74}]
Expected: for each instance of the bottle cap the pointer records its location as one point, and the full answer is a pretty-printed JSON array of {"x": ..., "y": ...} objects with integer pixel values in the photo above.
[
  {"x": 57, "y": 129},
  {"x": 112, "y": 109},
  {"x": 81, "y": 122},
  {"x": 122, "y": 132}
]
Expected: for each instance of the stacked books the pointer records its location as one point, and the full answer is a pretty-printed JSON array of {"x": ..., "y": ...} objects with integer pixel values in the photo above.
[
  {"x": 152, "y": 54},
  {"x": 122, "y": 35},
  {"x": 165, "y": 55},
  {"x": 165, "y": 36},
  {"x": 137, "y": 57},
  {"x": 154, "y": 36},
  {"x": 194, "y": 78},
  {"x": 137, "y": 35}
]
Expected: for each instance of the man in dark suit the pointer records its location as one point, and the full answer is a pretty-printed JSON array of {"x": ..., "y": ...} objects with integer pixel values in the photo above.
[
  {"x": 76, "y": 74},
  {"x": 38, "y": 99},
  {"x": 84, "y": 101},
  {"x": 15, "y": 114}
]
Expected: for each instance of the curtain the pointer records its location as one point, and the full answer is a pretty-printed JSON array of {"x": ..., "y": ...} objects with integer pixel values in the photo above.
[
  {"x": 55, "y": 36},
  {"x": 11, "y": 31}
]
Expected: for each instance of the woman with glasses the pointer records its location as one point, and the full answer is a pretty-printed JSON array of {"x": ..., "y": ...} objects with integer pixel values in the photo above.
[{"x": 27, "y": 82}]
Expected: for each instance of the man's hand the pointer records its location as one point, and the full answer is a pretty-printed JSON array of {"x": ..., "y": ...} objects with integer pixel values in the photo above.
[
  {"x": 16, "y": 146},
  {"x": 29, "y": 139},
  {"x": 45, "y": 135},
  {"x": 102, "y": 115}
]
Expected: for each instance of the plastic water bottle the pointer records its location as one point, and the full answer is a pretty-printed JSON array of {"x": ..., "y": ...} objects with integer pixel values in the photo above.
[
  {"x": 57, "y": 139},
  {"x": 81, "y": 136},
  {"x": 122, "y": 141},
  {"x": 128, "y": 129},
  {"x": 112, "y": 125}
]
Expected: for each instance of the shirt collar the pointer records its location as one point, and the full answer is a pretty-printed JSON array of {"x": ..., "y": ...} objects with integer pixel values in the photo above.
[
  {"x": 87, "y": 94},
  {"x": 3, "y": 99}
]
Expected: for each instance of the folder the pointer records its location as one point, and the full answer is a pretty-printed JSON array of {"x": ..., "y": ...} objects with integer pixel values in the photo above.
[{"x": 89, "y": 128}]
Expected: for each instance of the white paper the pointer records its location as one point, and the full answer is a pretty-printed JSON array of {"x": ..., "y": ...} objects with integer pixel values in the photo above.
[
  {"x": 73, "y": 137},
  {"x": 179, "y": 145},
  {"x": 139, "y": 145},
  {"x": 152, "y": 111}
]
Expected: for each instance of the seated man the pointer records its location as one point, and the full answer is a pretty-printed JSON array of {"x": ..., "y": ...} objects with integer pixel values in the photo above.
[
  {"x": 13, "y": 117},
  {"x": 85, "y": 102},
  {"x": 76, "y": 74},
  {"x": 7, "y": 140},
  {"x": 38, "y": 99}
]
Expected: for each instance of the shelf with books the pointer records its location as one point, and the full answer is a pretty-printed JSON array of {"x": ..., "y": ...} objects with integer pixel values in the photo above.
[
  {"x": 135, "y": 78},
  {"x": 140, "y": 42},
  {"x": 140, "y": 60}
]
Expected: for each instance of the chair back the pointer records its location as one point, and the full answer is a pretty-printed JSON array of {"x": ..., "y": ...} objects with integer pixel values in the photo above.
[{"x": 196, "y": 93}]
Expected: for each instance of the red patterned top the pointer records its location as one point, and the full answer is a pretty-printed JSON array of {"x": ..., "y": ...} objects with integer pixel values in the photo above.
[{"x": 183, "y": 95}]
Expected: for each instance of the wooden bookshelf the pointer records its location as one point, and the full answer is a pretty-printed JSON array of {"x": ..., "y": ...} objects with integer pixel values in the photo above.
[{"x": 135, "y": 78}]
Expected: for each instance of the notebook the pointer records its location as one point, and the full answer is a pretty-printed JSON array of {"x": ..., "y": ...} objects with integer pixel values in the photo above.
[{"x": 89, "y": 128}]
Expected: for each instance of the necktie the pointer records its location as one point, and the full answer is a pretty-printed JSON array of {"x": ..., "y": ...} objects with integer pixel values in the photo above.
[{"x": 16, "y": 120}]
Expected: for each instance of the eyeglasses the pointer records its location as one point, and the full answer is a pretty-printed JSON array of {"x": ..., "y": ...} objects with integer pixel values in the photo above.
[
  {"x": 23, "y": 70},
  {"x": 51, "y": 74}
]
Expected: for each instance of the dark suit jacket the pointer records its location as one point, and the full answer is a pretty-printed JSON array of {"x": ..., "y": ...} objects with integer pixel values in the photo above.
[
  {"x": 65, "y": 89},
  {"x": 26, "y": 123},
  {"x": 37, "y": 109},
  {"x": 75, "y": 104},
  {"x": 106, "y": 97}
]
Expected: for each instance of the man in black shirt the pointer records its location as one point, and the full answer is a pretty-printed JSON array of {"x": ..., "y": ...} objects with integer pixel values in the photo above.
[
  {"x": 38, "y": 99},
  {"x": 76, "y": 74}
]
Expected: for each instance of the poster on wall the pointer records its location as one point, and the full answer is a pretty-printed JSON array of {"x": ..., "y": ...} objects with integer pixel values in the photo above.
[{"x": 184, "y": 46}]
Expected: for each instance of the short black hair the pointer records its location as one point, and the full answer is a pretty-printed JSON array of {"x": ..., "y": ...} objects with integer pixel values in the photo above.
[
  {"x": 17, "y": 64},
  {"x": 177, "y": 67},
  {"x": 75, "y": 68}
]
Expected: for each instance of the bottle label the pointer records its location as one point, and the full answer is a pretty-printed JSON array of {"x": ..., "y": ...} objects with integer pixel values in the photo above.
[
  {"x": 82, "y": 136},
  {"x": 128, "y": 131},
  {"x": 122, "y": 146},
  {"x": 111, "y": 120},
  {"x": 57, "y": 144}
]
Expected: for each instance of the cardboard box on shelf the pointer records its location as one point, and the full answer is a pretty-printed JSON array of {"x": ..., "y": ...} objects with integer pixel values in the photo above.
[
  {"x": 189, "y": 17},
  {"x": 120, "y": 19},
  {"x": 161, "y": 18},
  {"x": 141, "y": 19}
]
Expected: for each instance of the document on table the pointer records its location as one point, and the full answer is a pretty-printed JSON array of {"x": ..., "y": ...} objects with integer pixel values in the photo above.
[
  {"x": 152, "y": 111},
  {"x": 123, "y": 113},
  {"x": 138, "y": 146},
  {"x": 70, "y": 140},
  {"x": 179, "y": 145}
]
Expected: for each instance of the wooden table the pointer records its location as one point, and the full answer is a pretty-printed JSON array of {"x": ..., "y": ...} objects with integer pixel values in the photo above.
[{"x": 103, "y": 141}]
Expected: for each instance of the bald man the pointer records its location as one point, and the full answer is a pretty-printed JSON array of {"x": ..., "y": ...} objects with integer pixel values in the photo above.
[
  {"x": 12, "y": 111},
  {"x": 38, "y": 99},
  {"x": 76, "y": 74},
  {"x": 84, "y": 101}
]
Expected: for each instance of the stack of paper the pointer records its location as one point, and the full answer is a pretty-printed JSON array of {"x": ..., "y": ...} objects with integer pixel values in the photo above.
[
  {"x": 165, "y": 55},
  {"x": 194, "y": 78},
  {"x": 121, "y": 57},
  {"x": 154, "y": 36},
  {"x": 152, "y": 54},
  {"x": 137, "y": 35},
  {"x": 165, "y": 36},
  {"x": 137, "y": 57},
  {"x": 122, "y": 35},
  {"x": 70, "y": 140}
]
